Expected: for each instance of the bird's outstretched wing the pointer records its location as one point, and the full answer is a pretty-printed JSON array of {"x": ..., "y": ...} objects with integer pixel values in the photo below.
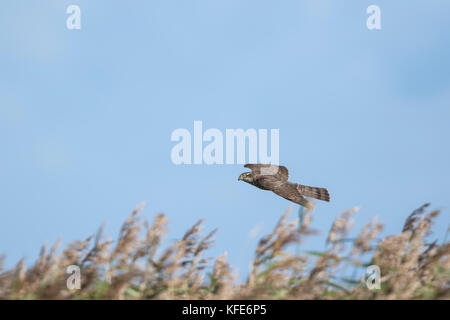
[
  {"x": 292, "y": 191},
  {"x": 279, "y": 173}
]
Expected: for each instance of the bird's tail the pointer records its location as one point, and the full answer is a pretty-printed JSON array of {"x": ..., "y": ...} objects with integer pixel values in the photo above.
[{"x": 316, "y": 193}]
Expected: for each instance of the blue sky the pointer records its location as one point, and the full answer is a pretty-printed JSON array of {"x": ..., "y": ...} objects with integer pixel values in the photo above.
[{"x": 86, "y": 115}]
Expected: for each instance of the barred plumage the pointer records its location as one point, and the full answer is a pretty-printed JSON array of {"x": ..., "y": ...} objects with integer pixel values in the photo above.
[{"x": 314, "y": 192}]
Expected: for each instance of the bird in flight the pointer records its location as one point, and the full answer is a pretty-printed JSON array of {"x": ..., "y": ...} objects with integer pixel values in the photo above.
[{"x": 275, "y": 178}]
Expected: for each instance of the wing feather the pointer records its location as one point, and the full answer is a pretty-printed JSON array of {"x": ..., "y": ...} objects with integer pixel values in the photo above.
[
  {"x": 278, "y": 172},
  {"x": 290, "y": 192}
]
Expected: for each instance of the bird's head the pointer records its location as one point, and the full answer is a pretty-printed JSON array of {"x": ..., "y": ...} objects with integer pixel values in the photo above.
[{"x": 247, "y": 177}]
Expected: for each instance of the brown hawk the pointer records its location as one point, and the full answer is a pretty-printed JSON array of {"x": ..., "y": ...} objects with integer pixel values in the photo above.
[{"x": 275, "y": 179}]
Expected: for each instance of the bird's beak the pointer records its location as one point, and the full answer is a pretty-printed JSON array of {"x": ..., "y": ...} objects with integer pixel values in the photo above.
[{"x": 240, "y": 177}]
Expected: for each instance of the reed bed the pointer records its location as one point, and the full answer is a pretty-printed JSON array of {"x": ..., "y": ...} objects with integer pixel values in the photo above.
[{"x": 138, "y": 266}]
